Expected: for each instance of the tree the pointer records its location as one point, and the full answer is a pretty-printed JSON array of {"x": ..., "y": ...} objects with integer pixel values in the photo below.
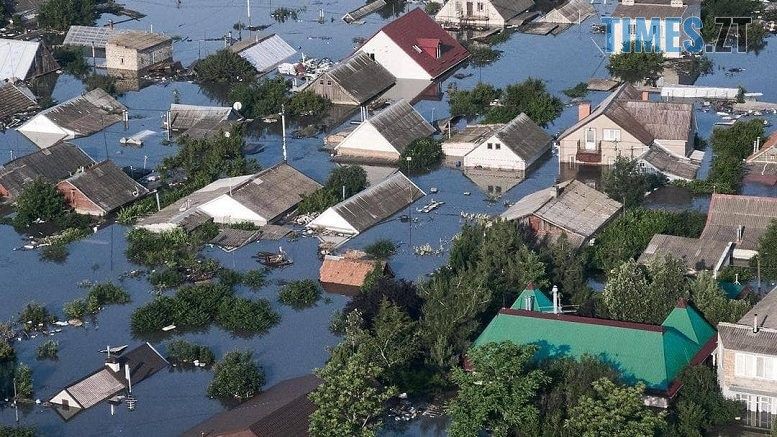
[
  {"x": 399, "y": 292},
  {"x": 263, "y": 98},
  {"x": 17, "y": 431},
  {"x": 38, "y": 201},
  {"x": 23, "y": 380},
  {"x": 767, "y": 251},
  {"x": 567, "y": 269},
  {"x": 638, "y": 63},
  {"x": 224, "y": 66},
  {"x": 472, "y": 102},
  {"x": 300, "y": 294},
  {"x": 393, "y": 340},
  {"x": 343, "y": 182},
  {"x": 349, "y": 401},
  {"x": 61, "y": 14},
  {"x": 530, "y": 97},
  {"x": 305, "y": 103},
  {"x": 627, "y": 182},
  {"x": 500, "y": 394},
  {"x": 700, "y": 405},
  {"x": 614, "y": 411},
  {"x": 236, "y": 376},
  {"x": 624, "y": 293},
  {"x": 713, "y": 302},
  {"x": 424, "y": 153},
  {"x": 381, "y": 249}
]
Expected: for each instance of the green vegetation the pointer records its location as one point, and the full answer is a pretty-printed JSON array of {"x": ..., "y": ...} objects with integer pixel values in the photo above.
[
  {"x": 482, "y": 55},
  {"x": 381, "y": 249},
  {"x": 529, "y": 96},
  {"x": 35, "y": 317},
  {"x": 700, "y": 406},
  {"x": 48, "y": 350},
  {"x": 23, "y": 376},
  {"x": 638, "y": 64},
  {"x": 224, "y": 66},
  {"x": 578, "y": 91},
  {"x": 283, "y": 13},
  {"x": 7, "y": 352},
  {"x": 72, "y": 60},
  {"x": 61, "y": 14},
  {"x": 166, "y": 278},
  {"x": 104, "y": 82},
  {"x": 184, "y": 353},
  {"x": 195, "y": 307},
  {"x": 39, "y": 201},
  {"x": 171, "y": 249},
  {"x": 628, "y": 235},
  {"x": 300, "y": 294},
  {"x": 473, "y": 102},
  {"x": 261, "y": 99},
  {"x": 767, "y": 252},
  {"x": 342, "y": 182},
  {"x": 432, "y": 8},
  {"x": 627, "y": 181},
  {"x": 236, "y": 376},
  {"x": 745, "y": 8},
  {"x": 712, "y": 301},
  {"x": 424, "y": 155},
  {"x": 99, "y": 295},
  {"x": 307, "y": 103},
  {"x": 17, "y": 431},
  {"x": 255, "y": 279},
  {"x": 75, "y": 309}
]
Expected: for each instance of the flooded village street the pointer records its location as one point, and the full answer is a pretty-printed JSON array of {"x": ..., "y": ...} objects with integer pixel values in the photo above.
[{"x": 175, "y": 399}]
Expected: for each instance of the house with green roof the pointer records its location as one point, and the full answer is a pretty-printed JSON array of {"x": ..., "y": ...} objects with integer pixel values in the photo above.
[{"x": 652, "y": 354}]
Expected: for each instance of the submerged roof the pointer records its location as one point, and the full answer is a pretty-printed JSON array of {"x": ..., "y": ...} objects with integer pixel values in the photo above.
[
  {"x": 107, "y": 186},
  {"x": 86, "y": 36},
  {"x": 17, "y": 58},
  {"x": 349, "y": 269},
  {"x": 508, "y": 9},
  {"x": 361, "y": 77},
  {"x": 414, "y": 31},
  {"x": 654, "y": 8},
  {"x": 728, "y": 212},
  {"x": 652, "y": 354},
  {"x": 697, "y": 254},
  {"x": 400, "y": 124},
  {"x": 137, "y": 39},
  {"x": 572, "y": 11},
  {"x": 202, "y": 121},
  {"x": 275, "y": 190},
  {"x": 15, "y": 98},
  {"x": 51, "y": 165},
  {"x": 263, "y": 51},
  {"x": 525, "y": 138},
  {"x": 280, "y": 411},
  {"x": 671, "y": 164}
]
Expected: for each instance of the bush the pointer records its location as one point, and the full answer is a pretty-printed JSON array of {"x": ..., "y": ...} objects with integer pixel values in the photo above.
[
  {"x": 229, "y": 277},
  {"x": 261, "y": 99},
  {"x": 300, "y": 294},
  {"x": 627, "y": 182},
  {"x": 224, "y": 66},
  {"x": 71, "y": 59},
  {"x": 56, "y": 253},
  {"x": 236, "y": 376},
  {"x": 473, "y": 102},
  {"x": 48, "y": 350},
  {"x": 246, "y": 316},
  {"x": 481, "y": 56},
  {"x": 424, "y": 154},
  {"x": 106, "y": 83},
  {"x": 38, "y": 201},
  {"x": 306, "y": 103},
  {"x": 75, "y": 309},
  {"x": 103, "y": 294},
  {"x": 35, "y": 317},
  {"x": 254, "y": 279},
  {"x": 352, "y": 177},
  {"x": 17, "y": 431},
  {"x": 432, "y": 8},
  {"x": 61, "y": 14},
  {"x": 23, "y": 375},
  {"x": 7, "y": 353},
  {"x": 578, "y": 91},
  {"x": 530, "y": 97},
  {"x": 181, "y": 352},
  {"x": 171, "y": 249},
  {"x": 166, "y": 278},
  {"x": 381, "y": 249}
]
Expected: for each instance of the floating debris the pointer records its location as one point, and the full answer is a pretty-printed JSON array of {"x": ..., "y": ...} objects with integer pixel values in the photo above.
[
  {"x": 168, "y": 328},
  {"x": 431, "y": 206},
  {"x": 271, "y": 259}
]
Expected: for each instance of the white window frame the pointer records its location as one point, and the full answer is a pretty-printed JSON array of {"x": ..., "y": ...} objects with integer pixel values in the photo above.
[
  {"x": 755, "y": 366},
  {"x": 590, "y": 145},
  {"x": 611, "y": 135}
]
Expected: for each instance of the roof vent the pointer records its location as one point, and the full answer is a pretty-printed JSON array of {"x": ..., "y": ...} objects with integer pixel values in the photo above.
[{"x": 755, "y": 323}]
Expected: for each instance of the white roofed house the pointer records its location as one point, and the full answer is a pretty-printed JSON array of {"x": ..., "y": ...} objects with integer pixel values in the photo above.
[
  {"x": 385, "y": 136},
  {"x": 263, "y": 51},
  {"x": 354, "y": 81},
  {"x": 25, "y": 60},
  {"x": 513, "y": 146},
  {"x": 570, "y": 12},
  {"x": 480, "y": 13}
]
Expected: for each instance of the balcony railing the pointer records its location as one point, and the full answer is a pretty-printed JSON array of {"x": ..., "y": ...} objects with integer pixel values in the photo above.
[{"x": 587, "y": 155}]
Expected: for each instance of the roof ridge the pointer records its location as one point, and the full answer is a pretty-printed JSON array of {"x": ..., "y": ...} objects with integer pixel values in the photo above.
[{"x": 585, "y": 320}]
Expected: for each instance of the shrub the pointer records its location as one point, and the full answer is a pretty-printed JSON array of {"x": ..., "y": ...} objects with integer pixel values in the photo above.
[
  {"x": 347, "y": 180},
  {"x": 56, "y": 253},
  {"x": 106, "y": 83},
  {"x": 48, "y": 350},
  {"x": 75, "y": 309},
  {"x": 381, "y": 249},
  {"x": 34, "y": 317},
  {"x": 182, "y": 352},
  {"x": 432, "y": 8},
  {"x": 71, "y": 59},
  {"x": 38, "y": 201},
  {"x": 224, "y": 66},
  {"x": 229, "y": 277},
  {"x": 17, "y": 431},
  {"x": 23, "y": 376},
  {"x": 578, "y": 91},
  {"x": 254, "y": 279},
  {"x": 246, "y": 316},
  {"x": 61, "y": 14},
  {"x": 305, "y": 103},
  {"x": 261, "y": 99},
  {"x": 7, "y": 352},
  {"x": 472, "y": 102},
  {"x": 424, "y": 153},
  {"x": 166, "y": 278},
  {"x": 530, "y": 97},
  {"x": 300, "y": 294},
  {"x": 103, "y": 294},
  {"x": 236, "y": 376}
]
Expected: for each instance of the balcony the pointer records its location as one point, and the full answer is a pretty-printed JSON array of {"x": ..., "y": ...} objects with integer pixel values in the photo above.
[{"x": 589, "y": 156}]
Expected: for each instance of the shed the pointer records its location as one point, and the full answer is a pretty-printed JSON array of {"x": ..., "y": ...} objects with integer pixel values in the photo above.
[
  {"x": 264, "y": 52},
  {"x": 25, "y": 60},
  {"x": 571, "y": 12},
  {"x": 52, "y": 164},
  {"x": 697, "y": 254},
  {"x": 386, "y": 135},
  {"x": 369, "y": 207},
  {"x": 354, "y": 81},
  {"x": 514, "y": 146},
  {"x": 15, "y": 98},
  {"x": 739, "y": 219},
  {"x": 201, "y": 121},
  {"x": 346, "y": 274},
  {"x": 672, "y": 166},
  {"x": 100, "y": 189},
  {"x": 78, "y": 117},
  {"x": 137, "y": 51}
]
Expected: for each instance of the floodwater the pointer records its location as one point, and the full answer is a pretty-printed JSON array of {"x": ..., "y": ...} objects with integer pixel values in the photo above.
[{"x": 172, "y": 401}]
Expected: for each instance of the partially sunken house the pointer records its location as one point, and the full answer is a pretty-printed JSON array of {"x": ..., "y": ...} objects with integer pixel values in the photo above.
[
  {"x": 762, "y": 163},
  {"x": 78, "y": 117},
  {"x": 117, "y": 377},
  {"x": 259, "y": 199},
  {"x": 50, "y": 165},
  {"x": 263, "y": 51},
  {"x": 100, "y": 189},
  {"x": 415, "y": 47},
  {"x": 15, "y": 98},
  {"x": 369, "y": 207},
  {"x": 669, "y": 13},
  {"x": 480, "y": 14},
  {"x": 654, "y": 355},
  {"x": 347, "y": 273},
  {"x": 25, "y": 60},
  {"x": 89, "y": 36},
  {"x": 282, "y": 410},
  {"x": 200, "y": 121},
  {"x": 137, "y": 51},
  {"x": 571, "y": 208},
  {"x": 385, "y": 136},
  {"x": 512, "y": 146},
  {"x": 570, "y": 12},
  {"x": 628, "y": 124},
  {"x": 354, "y": 81}
]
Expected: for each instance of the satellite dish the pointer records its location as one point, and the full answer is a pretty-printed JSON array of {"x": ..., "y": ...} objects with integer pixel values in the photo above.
[{"x": 237, "y": 106}]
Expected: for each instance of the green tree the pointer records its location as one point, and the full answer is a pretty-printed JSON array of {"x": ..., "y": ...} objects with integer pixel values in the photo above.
[
  {"x": 224, "y": 66},
  {"x": 349, "y": 402},
  {"x": 638, "y": 63},
  {"x": 472, "y": 102},
  {"x": 61, "y": 14},
  {"x": 708, "y": 297},
  {"x": 381, "y": 249},
  {"x": 614, "y": 411},
  {"x": 264, "y": 98},
  {"x": 23, "y": 379},
  {"x": 578, "y": 91},
  {"x": 393, "y": 340},
  {"x": 627, "y": 182},
  {"x": 17, "y": 431},
  {"x": 624, "y": 294},
  {"x": 342, "y": 181},
  {"x": 300, "y": 294},
  {"x": 236, "y": 376},
  {"x": 567, "y": 269},
  {"x": 767, "y": 252},
  {"x": 34, "y": 317},
  {"x": 48, "y": 350},
  {"x": 38, "y": 201},
  {"x": 700, "y": 406},
  {"x": 530, "y": 97},
  {"x": 500, "y": 394},
  {"x": 424, "y": 154},
  {"x": 306, "y": 103}
]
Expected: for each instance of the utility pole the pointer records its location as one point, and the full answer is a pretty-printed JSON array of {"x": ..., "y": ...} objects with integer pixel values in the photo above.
[
  {"x": 248, "y": 8},
  {"x": 15, "y": 401},
  {"x": 410, "y": 205},
  {"x": 283, "y": 127}
]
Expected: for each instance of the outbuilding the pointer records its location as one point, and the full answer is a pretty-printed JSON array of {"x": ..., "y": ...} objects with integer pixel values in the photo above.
[
  {"x": 513, "y": 146},
  {"x": 138, "y": 51},
  {"x": 25, "y": 60},
  {"x": 100, "y": 189},
  {"x": 355, "y": 81}
]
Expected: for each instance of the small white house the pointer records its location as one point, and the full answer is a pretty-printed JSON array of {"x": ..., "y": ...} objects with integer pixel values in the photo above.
[
  {"x": 480, "y": 13},
  {"x": 513, "y": 146}
]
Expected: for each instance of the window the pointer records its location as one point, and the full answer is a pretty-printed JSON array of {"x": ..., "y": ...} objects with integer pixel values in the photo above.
[
  {"x": 755, "y": 366},
  {"x": 498, "y": 189},
  {"x": 321, "y": 82},
  {"x": 121, "y": 61},
  {"x": 497, "y": 146},
  {"x": 489, "y": 146},
  {"x": 611, "y": 134},
  {"x": 480, "y": 6},
  {"x": 490, "y": 188},
  {"x": 329, "y": 83}
]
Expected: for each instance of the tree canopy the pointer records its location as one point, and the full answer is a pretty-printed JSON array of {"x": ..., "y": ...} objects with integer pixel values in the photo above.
[
  {"x": 627, "y": 181},
  {"x": 38, "y": 201},
  {"x": 767, "y": 251},
  {"x": 638, "y": 63},
  {"x": 713, "y": 303},
  {"x": 61, "y": 14},
  {"x": 224, "y": 66},
  {"x": 529, "y": 96},
  {"x": 236, "y": 376},
  {"x": 342, "y": 181}
]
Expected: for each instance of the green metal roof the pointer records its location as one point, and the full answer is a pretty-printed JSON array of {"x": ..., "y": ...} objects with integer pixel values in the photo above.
[
  {"x": 732, "y": 289},
  {"x": 540, "y": 302},
  {"x": 648, "y": 353}
]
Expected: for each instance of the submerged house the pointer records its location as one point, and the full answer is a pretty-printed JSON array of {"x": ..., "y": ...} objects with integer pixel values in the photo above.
[
  {"x": 415, "y": 47},
  {"x": 697, "y": 254},
  {"x": 571, "y": 208},
  {"x": 137, "y": 51},
  {"x": 263, "y": 51},
  {"x": 347, "y": 273},
  {"x": 261, "y": 198},
  {"x": 571, "y": 12},
  {"x": 100, "y": 189},
  {"x": 628, "y": 124},
  {"x": 78, "y": 117},
  {"x": 385, "y": 136},
  {"x": 89, "y": 36},
  {"x": 354, "y": 81},
  {"x": 512, "y": 146},
  {"x": 652, "y": 354},
  {"x": 117, "y": 377},
  {"x": 747, "y": 362},
  {"x": 25, "y": 60},
  {"x": 369, "y": 207},
  {"x": 200, "y": 121},
  {"x": 51, "y": 165},
  {"x": 480, "y": 14},
  {"x": 15, "y": 98},
  {"x": 282, "y": 410},
  {"x": 762, "y": 163},
  {"x": 666, "y": 13}
]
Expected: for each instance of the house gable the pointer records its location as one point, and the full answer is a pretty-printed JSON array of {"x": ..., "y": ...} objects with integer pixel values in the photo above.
[
  {"x": 225, "y": 209},
  {"x": 493, "y": 153},
  {"x": 393, "y": 58}
]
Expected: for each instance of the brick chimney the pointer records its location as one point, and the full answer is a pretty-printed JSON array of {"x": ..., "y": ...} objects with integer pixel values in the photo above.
[
  {"x": 583, "y": 110},
  {"x": 645, "y": 96}
]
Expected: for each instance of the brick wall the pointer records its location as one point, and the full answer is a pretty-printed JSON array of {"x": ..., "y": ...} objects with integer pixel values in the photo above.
[{"x": 80, "y": 203}]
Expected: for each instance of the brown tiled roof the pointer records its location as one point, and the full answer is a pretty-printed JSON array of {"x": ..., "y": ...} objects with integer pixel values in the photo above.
[
  {"x": 14, "y": 99},
  {"x": 350, "y": 269},
  {"x": 728, "y": 212},
  {"x": 51, "y": 165},
  {"x": 107, "y": 186}
]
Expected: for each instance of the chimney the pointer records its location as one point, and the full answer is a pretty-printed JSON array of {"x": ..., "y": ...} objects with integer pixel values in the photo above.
[
  {"x": 583, "y": 110},
  {"x": 740, "y": 233},
  {"x": 556, "y": 190},
  {"x": 528, "y": 303},
  {"x": 111, "y": 362},
  {"x": 645, "y": 96},
  {"x": 755, "y": 323},
  {"x": 556, "y": 303}
]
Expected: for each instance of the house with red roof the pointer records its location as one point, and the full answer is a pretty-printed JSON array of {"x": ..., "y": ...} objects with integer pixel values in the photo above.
[{"x": 414, "y": 46}]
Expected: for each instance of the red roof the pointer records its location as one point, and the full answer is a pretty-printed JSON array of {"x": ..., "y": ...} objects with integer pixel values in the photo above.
[{"x": 417, "y": 29}]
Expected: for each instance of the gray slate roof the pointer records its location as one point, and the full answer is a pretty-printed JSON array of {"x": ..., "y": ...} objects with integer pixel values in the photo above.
[
  {"x": 361, "y": 77},
  {"x": 275, "y": 190},
  {"x": 525, "y": 138},
  {"x": 697, "y": 254},
  {"x": 202, "y": 121},
  {"x": 740, "y": 335},
  {"x": 107, "y": 186},
  {"x": 508, "y": 9},
  {"x": 51, "y": 164},
  {"x": 671, "y": 164},
  {"x": 571, "y": 11},
  {"x": 378, "y": 202},
  {"x": 400, "y": 125},
  {"x": 654, "y": 8},
  {"x": 15, "y": 98},
  {"x": 728, "y": 212}
]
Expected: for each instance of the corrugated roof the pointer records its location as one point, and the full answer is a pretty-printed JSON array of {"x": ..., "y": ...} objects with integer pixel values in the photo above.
[
  {"x": 670, "y": 164},
  {"x": 525, "y": 138},
  {"x": 474, "y": 133},
  {"x": 363, "y": 11},
  {"x": 728, "y": 212},
  {"x": 697, "y": 254},
  {"x": 107, "y": 186},
  {"x": 361, "y": 77},
  {"x": 86, "y": 36},
  {"x": 263, "y": 52},
  {"x": 15, "y": 98},
  {"x": 406, "y": 31},
  {"x": 766, "y": 309},
  {"x": 234, "y": 238},
  {"x": 17, "y": 58},
  {"x": 508, "y": 9},
  {"x": 350, "y": 269},
  {"x": 202, "y": 121},
  {"x": 280, "y": 411},
  {"x": 652, "y": 354},
  {"x": 656, "y": 9},
  {"x": 51, "y": 164},
  {"x": 275, "y": 190},
  {"x": 400, "y": 124},
  {"x": 138, "y": 40}
]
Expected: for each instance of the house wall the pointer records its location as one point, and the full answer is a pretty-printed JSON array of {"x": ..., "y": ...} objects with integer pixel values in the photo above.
[
  {"x": 618, "y": 40},
  {"x": 123, "y": 58},
  {"x": 331, "y": 220},
  {"x": 628, "y": 146},
  {"x": 454, "y": 14},
  {"x": 225, "y": 209},
  {"x": 393, "y": 58},
  {"x": 64, "y": 397},
  {"x": 759, "y": 395},
  {"x": 457, "y": 149},
  {"x": 326, "y": 87},
  {"x": 78, "y": 201},
  {"x": 366, "y": 142},
  {"x": 502, "y": 158}
]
